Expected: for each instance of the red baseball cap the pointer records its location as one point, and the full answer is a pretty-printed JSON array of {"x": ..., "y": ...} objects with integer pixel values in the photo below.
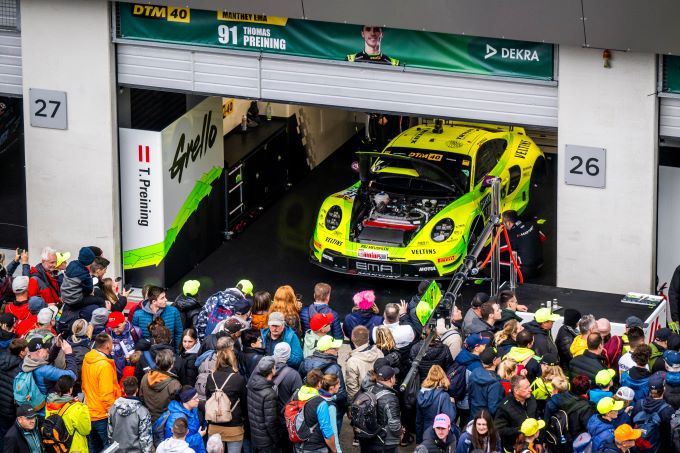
[
  {"x": 116, "y": 318},
  {"x": 320, "y": 320}
]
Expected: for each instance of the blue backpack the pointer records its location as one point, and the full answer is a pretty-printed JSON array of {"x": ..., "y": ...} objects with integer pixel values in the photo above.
[
  {"x": 26, "y": 391},
  {"x": 650, "y": 424},
  {"x": 458, "y": 381}
]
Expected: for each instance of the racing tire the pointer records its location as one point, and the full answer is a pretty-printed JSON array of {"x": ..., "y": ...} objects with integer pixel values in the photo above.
[{"x": 536, "y": 186}]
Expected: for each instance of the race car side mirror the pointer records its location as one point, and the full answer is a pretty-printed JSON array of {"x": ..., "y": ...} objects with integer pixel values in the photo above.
[{"x": 487, "y": 181}]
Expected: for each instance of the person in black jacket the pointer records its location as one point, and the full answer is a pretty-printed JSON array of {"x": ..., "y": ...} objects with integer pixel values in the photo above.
[
  {"x": 227, "y": 378},
  {"x": 591, "y": 361},
  {"x": 188, "y": 303},
  {"x": 251, "y": 339},
  {"x": 24, "y": 435},
  {"x": 161, "y": 340},
  {"x": 263, "y": 408},
  {"x": 517, "y": 407},
  {"x": 437, "y": 354},
  {"x": 10, "y": 366},
  {"x": 674, "y": 295},
  {"x": 388, "y": 413},
  {"x": 187, "y": 372},
  {"x": 525, "y": 239},
  {"x": 541, "y": 327},
  {"x": 566, "y": 335}
]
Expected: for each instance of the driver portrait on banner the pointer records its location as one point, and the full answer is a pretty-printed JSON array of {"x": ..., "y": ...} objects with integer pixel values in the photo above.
[{"x": 372, "y": 52}]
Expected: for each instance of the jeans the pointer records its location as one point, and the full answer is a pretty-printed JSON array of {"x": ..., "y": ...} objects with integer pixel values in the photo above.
[
  {"x": 98, "y": 439},
  {"x": 233, "y": 447}
]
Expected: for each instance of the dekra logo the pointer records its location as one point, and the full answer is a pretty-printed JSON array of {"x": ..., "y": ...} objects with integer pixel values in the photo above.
[{"x": 512, "y": 54}]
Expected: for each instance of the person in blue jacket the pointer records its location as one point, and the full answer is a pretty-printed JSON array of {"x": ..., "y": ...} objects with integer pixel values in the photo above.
[
  {"x": 485, "y": 390},
  {"x": 604, "y": 379},
  {"x": 601, "y": 425},
  {"x": 364, "y": 313},
  {"x": 187, "y": 408},
  {"x": 277, "y": 332},
  {"x": 156, "y": 306},
  {"x": 322, "y": 297},
  {"x": 37, "y": 361},
  {"x": 468, "y": 357},
  {"x": 637, "y": 378},
  {"x": 78, "y": 269},
  {"x": 433, "y": 399}
]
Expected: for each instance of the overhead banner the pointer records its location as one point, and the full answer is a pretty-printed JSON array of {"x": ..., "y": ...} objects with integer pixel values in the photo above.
[
  {"x": 164, "y": 177},
  {"x": 332, "y": 41},
  {"x": 671, "y": 74}
]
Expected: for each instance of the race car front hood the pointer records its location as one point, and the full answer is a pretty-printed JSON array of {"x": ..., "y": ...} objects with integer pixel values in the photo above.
[{"x": 374, "y": 164}]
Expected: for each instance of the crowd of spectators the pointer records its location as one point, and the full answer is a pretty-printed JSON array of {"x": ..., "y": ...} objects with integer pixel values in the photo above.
[{"x": 83, "y": 368}]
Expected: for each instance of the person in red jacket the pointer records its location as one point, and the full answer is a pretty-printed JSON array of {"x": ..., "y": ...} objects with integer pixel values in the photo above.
[
  {"x": 43, "y": 280},
  {"x": 19, "y": 308}
]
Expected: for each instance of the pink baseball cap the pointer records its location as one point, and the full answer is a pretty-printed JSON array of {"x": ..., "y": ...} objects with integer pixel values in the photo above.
[{"x": 442, "y": 421}]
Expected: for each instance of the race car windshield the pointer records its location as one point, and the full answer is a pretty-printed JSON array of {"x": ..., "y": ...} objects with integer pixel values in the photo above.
[{"x": 451, "y": 170}]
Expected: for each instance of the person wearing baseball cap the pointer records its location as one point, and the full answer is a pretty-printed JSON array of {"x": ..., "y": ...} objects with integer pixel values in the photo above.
[
  {"x": 124, "y": 336},
  {"x": 321, "y": 305},
  {"x": 277, "y": 332},
  {"x": 671, "y": 360},
  {"x": 439, "y": 437},
  {"x": 468, "y": 359},
  {"x": 246, "y": 287},
  {"x": 541, "y": 327},
  {"x": 659, "y": 345},
  {"x": 24, "y": 435},
  {"x": 625, "y": 437},
  {"x": 531, "y": 429},
  {"x": 601, "y": 425},
  {"x": 390, "y": 427},
  {"x": 654, "y": 404},
  {"x": 188, "y": 303},
  {"x": 485, "y": 390},
  {"x": 319, "y": 326},
  {"x": 604, "y": 380},
  {"x": 25, "y": 321},
  {"x": 542, "y": 385}
]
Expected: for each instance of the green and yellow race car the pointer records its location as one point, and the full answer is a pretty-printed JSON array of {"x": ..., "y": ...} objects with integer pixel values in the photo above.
[{"x": 420, "y": 203}]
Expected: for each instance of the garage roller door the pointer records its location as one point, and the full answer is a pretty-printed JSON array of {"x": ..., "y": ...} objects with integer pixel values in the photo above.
[
  {"x": 669, "y": 117},
  {"x": 338, "y": 84},
  {"x": 10, "y": 63}
]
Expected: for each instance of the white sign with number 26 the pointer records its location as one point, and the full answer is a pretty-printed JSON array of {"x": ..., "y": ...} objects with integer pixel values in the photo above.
[{"x": 585, "y": 166}]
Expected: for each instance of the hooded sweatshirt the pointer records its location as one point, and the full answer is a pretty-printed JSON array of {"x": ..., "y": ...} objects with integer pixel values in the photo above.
[
  {"x": 358, "y": 365},
  {"x": 661, "y": 441},
  {"x": 130, "y": 425},
  {"x": 526, "y": 358},
  {"x": 76, "y": 417},
  {"x": 193, "y": 438},
  {"x": 309, "y": 344},
  {"x": 485, "y": 391},
  {"x": 170, "y": 315},
  {"x": 25, "y": 320},
  {"x": 46, "y": 375},
  {"x": 157, "y": 389},
  {"x": 100, "y": 384},
  {"x": 429, "y": 403},
  {"x": 471, "y": 362}
]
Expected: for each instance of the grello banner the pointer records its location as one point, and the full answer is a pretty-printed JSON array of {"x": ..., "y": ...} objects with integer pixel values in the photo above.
[
  {"x": 671, "y": 74},
  {"x": 331, "y": 41}
]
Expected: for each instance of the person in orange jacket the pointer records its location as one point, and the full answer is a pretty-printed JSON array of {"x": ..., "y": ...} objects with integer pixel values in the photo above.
[{"x": 100, "y": 386}]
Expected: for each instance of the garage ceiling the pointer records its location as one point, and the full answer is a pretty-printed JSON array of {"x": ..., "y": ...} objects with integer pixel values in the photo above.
[{"x": 614, "y": 24}]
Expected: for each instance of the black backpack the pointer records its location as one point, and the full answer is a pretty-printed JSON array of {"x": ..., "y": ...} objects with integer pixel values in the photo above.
[
  {"x": 557, "y": 436},
  {"x": 55, "y": 435},
  {"x": 410, "y": 394},
  {"x": 364, "y": 413}
]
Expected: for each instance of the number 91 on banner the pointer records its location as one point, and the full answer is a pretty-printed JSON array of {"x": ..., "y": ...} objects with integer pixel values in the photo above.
[{"x": 585, "y": 166}]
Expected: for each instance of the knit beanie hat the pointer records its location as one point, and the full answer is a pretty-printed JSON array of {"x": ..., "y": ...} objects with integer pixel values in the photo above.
[
  {"x": 571, "y": 317},
  {"x": 187, "y": 394},
  {"x": 100, "y": 317},
  {"x": 86, "y": 256},
  {"x": 282, "y": 353},
  {"x": 364, "y": 299}
]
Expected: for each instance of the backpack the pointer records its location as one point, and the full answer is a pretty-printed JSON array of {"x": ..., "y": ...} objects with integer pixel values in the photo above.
[
  {"x": 158, "y": 429},
  {"x": 410, "y": 393},
  {"x": 675, "y": 430},
  {"x": 26, "y": 391},
  {"x": 217, "y": 308},
  {"x": 71, "y": 291},
  {"x": 457, "y": 381},
  {"x": 650, "y": 424},
  {"x": 55, "y": 435},
  {"x": 218, "y": 408},
  {"x": 364, "y": 414},
  {"x": 298, "y": 429},
  {"x": 557, "y": 435}
]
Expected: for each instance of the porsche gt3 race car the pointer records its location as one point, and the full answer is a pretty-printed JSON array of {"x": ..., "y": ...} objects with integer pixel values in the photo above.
[{"x": 420, "y": 202}]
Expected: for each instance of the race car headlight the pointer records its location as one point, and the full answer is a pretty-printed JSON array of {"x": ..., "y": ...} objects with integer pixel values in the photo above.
[
  {"x": 442, "y": 230},
  {"x": 333, "y": 217}
]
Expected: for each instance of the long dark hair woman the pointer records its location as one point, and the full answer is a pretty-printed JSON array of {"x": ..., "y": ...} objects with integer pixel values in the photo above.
[{"x": 480, "y": 434}]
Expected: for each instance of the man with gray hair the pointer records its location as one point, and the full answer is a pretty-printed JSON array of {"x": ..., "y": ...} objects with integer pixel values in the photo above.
[
  {"x": 43, "y": 281},
  {"x": 586, "y": 325},
  {"x": 214, "y": 444}
]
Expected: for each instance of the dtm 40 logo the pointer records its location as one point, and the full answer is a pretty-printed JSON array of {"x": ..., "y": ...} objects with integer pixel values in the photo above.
[{"x": 512, "y": 54}]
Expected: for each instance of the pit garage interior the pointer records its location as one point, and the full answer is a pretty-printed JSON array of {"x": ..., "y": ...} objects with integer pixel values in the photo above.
[{"x": 277, "y": 174}]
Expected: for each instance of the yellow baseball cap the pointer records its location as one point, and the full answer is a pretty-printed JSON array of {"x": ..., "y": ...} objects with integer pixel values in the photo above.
[
  {"x": 62, "y": 258},
  {"x": 545, "y": 315},
  {"x": 604, "y": 377},
  {"x": 607, "y": 404},
  {"x": 246, "y": 287},
  {"x": 328, "y": 342},
  {"x": 190, "y": 287},
  {"x": 531, "y": 426}
]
